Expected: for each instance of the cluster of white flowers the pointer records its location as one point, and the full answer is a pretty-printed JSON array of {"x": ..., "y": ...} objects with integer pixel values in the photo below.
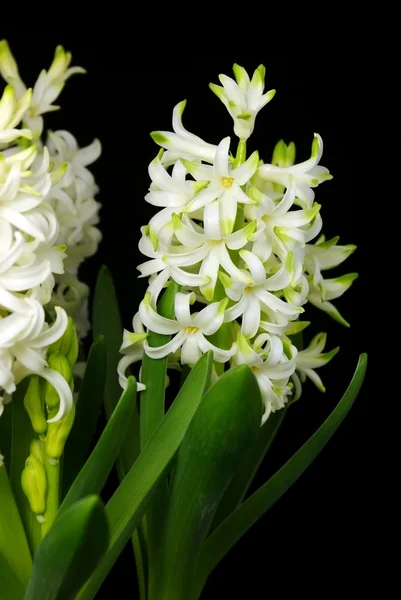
[
  {"x": 236, "y": 235},
  {"x": 47, "y": 217}
]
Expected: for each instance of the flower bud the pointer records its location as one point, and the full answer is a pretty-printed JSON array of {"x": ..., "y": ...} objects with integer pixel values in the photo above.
[
  {"x": 59, "y": 363},
  {"x": 67, "y": 344},
  {"x": 34, "y": 404},
  {"x": 34, "y": 484},
  {"x": 37, "y": 450},
  {"x": 57, "y": 433}
]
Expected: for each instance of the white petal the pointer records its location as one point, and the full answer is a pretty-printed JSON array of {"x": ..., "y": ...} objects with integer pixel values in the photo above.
[
  {"x": 160, "y": 177},
  {"x": 169, "y": 348},
  {"x": 53, "y": 333},
  {"x": 211, "y": 220},
  {"x": 219, "y": 355},
  {"x": 210, "y": 319},
  {"x": 220, "y": 168},
  {"x": 151, "y": 266},
  {"x": 276, "y": 304},
  {"x": 207, "y": 195},
  {"x": 229, "y": 266},
  {"x": 182, "y": 309},
  {"x": 255, "y": 266},
  {"x": 244, "y": 172},
  {"x": 63, "y": 390},
  {"x": 209, "y": 269},
  {"x": 251, "y": 317},
  {"x": 190, "y": 351},
  {"x": 155, "y": 322},
  {"x": 237, "y": 310}
]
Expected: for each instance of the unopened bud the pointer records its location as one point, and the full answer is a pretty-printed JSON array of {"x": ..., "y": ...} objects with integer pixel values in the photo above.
[
  {"x": 38, "y": 451},
  {"x": 57, "y": 433},
  {"x": 34, "y": 484},
  {"x": 59, "y": 363},
  {"x": 34, "y": 404},
  {"x": 67, "y": 344}
]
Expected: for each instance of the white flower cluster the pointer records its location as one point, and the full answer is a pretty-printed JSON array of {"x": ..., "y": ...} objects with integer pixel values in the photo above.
[
  {"x": 72, "y": 196},
  {"x": 236, "y": 235},
  {"x": 47, "y": 213}
]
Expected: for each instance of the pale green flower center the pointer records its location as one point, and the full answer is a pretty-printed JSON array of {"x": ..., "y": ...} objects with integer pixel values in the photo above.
[
  {"x": 191, "y": 329},
  {"x": 228, "y": 181}
]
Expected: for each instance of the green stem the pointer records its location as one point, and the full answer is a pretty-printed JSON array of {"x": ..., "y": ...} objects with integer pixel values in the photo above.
[
  {"x": 152, "y": 410},
  {"x": 241, "y": 154},
  {"x": 22, "y": 436},
  {"x": 52, "y": 467}
]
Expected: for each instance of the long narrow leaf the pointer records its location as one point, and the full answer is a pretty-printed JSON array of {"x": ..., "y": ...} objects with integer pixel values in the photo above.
[
  {"x": 5, "y": 435},
  {"x": 233, "y": 528},
  {"x": 225, "y": 424},
  {"x": 93, "y": 475},
  {"x": 10, "y": 585},
  {"x": 69, "y": 552},
  {"x": 130, "y": 501},
  {"x": 13, "y": 543},
  {"x": 248, "y": 467},
  {"x": 88, "y": 407},
  {"x": 107, "y": 322}
]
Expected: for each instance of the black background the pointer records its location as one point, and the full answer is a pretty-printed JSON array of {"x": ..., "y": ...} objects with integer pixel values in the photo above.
[{"x": 320, "y": 538}]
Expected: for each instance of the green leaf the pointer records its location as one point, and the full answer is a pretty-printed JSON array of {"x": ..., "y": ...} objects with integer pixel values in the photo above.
[
  {"x": 22, "y": 435},
  {"x": 153, "y": 375},
  {"x": 88, "y": 407},
  {"x": 107, "y": 322},
  {"x": 236, "y": 491},
  {"x": 11, "y": 587},
  {"x": 225, "y": 424},
  {"x": 13, "y": 543},
  {"x": 69, "y": 552},
  {"x": 5, "y": 435},
  {"x": 93, "y": 475},
  {"x": 131, "y": 499},
  {"x": 233, "y": 528}
]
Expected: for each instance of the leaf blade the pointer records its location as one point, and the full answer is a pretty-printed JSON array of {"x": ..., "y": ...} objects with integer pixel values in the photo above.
[
  {"x": 129, "y": 502},
  {"x": 88, "y": 407},
  {"x": 94, "y": 473},
  {"x": 226, "y": 422},
  {"x": 13, "y": 543},
  {"x": 231, "y": 530},
  {"x": 248, "y": 467},
  {"x": 69, "y": 552}
]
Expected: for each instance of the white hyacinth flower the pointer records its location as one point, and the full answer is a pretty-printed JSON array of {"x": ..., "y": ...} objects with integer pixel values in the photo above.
[
  {"x": 255, "y": 297},
  {"x": 312, "y": 357},
  {"x": 238, "y": 240},
  {"x": 189, "y": 330},
  {"x": 285, "y": 229},
  {"x": 25, "y": 337},
  {"x": 47, "y": 87},
  {"x": 322, "y": 256},
  {"x": 307, "y": 175},
  {"x": 133, "y": 349},
  {"x": 182, "y": 143},
  {"x": 210, "y": 248},
  {"x": 243, "y": 98},
  {"x": 225, "y": 184},
  {"x": 32, "y": 254},
  {"x": 12, "y": 110},
  {"x": 171, "y": 192},
  {"x": 272, "y": 361}
]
